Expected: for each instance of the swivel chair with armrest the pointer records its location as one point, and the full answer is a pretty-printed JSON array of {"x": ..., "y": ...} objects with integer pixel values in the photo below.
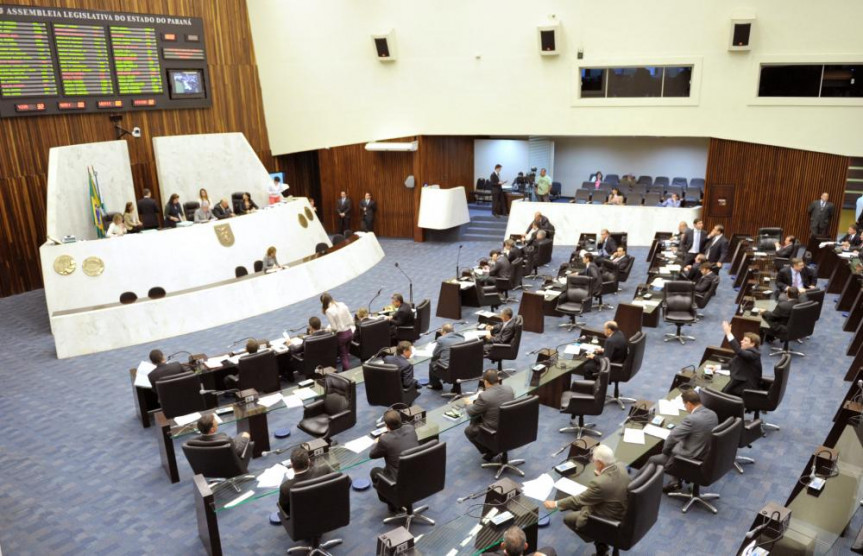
[
  {"x": 801, "y": 324},
  {"x": 318, "y": 351},
  {"x": 371, "y": 337},
  {"x": 720, "y": 460},
  {"x": 770, "y": 391},
  {"x": 422, "y": 472},
  {"x": 335, "y": 412},
  {"x": 586, "y": 397},
  {"x": 218, "y": 461},
  {"x": 517, "y": 426},
  {"x": 608, "y": 286},
  {"x": 465, "y": 365},
  {"x": 728, "y": 405},
  {"x": 509, "y": 352},
  {"x": 625, "y": 371},
  {"x": 412, "y": 332},
  {"x": 318, "y": 506},
  {"x": 576, "y": 300},
  {"x": 643, "y": 496},
  {"x": 384, "y": 385},
  {"x": 180, "y": 394},
  {"x": 679, "y": 307},
  {"x": 768, "y": 238},
  {"x": 514, "y": 282},
  {"x": 256, "y": 370},
  {"x": 702, "y": 299}
]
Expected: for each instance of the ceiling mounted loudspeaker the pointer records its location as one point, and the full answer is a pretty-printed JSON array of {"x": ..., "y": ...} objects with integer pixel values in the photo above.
[
  {"x": 410, "y": 182},
  {"x": 385, "y": 46},
  {"x": 741, "y": 34},
  {"x": 547, "y": 39},
  {"x": 392, "y": 147}
]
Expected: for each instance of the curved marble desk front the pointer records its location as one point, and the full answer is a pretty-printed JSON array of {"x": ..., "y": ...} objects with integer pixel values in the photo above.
[
  {"x": 178, "y": 259},
  {"x": 101, "y": 328}
]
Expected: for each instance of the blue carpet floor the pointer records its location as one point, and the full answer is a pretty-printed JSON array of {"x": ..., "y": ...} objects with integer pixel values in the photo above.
[{"x": 80, "y": 475}]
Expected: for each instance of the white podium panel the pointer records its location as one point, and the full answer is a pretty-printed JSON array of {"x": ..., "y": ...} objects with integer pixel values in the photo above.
[
  {"x": 442, "y": 209},
  {"x": 572, "y": 219},
  {"x": 96, "y": 329}
]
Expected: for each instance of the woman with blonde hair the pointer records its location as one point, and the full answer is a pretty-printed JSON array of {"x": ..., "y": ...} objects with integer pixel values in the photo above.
[{"x": 117, "y": 228}]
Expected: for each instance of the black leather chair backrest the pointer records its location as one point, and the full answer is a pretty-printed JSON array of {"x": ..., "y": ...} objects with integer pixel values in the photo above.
[
  {"x": 802, "y": 321},
  {"x": 644, "y": 495},
  {"x": 258, "y": 266},
  {"x": 189, "y": 207},
  {"x": 623, "y": 274},
  {"x": 645, "y": 180},
  {"x": 620, "y": 238},
  {"x": 180, "y": 394},
  {"x": 544, "y": 251},
  {"x": 340, "y": 393},
  {"x": 600, "y": 389},
  {"x": 241, "y": 271},
  {"x": 518, "y": 422},
  {"x": 781, "y": 372},
  {"x": 768, "y": 238},
  {"x": 724, "y": 405},
  {"x": 319, "y": 505},
  {"x": 578, "y": 290},
  {"x": 612, "y": 178},
  {"x": 423, "y": 316},
  {"x": 679, "y": 181},
  {"x": 634, "y": 358},
  {"x": 374, "y": 335},
  {"x": 516, "y": 277},
  {"x": 466, "y": 360},
  {"x": 319, "y": 351},
  {"x": 236, "y": 201},
  {"x": 128, "y": 297},
  {"x": 259, "y": 371},
  {"x": 701, "y": 301},
  {"x": 156, "y": 292},
  {"x": 384, "y": 384},
  {"x": 723, "y": 450},
  {"x": 214, "y": 459},
  {"x": 679, "y": 295},
  {"x": 422, "y": 472},
  {"x": 816, "y": 295}
]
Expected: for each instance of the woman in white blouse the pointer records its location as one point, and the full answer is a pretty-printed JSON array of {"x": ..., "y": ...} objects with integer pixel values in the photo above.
[
  {"x": 117, "y": 228},
  {"x": 340, "y": 321}
]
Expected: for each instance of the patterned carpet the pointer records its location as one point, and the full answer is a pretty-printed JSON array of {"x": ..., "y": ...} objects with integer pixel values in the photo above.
[{"x": 80, "y": 475}]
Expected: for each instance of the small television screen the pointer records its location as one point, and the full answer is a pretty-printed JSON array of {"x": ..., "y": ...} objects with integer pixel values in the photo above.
[{"x": 186, "y": 83}]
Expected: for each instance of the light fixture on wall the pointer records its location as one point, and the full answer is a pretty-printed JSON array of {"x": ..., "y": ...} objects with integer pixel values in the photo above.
[
  {"x": 385, "y": 46},
  {"x": 392, "y": 147},
  {"x": 116, "y": 119},
  {"x": 547, "y": 38}
]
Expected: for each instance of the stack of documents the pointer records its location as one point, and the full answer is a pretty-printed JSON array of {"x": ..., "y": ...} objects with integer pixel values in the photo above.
[{"x": 142, "y": 376}]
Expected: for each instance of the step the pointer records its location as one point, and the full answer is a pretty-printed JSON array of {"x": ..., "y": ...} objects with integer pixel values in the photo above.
[
  {"x": 476, "y": 237},
  {"x": 486, "y": 227}
]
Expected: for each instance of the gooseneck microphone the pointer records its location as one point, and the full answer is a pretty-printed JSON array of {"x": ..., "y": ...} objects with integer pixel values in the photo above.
[
  {"x": 369, "y": 306},
  {"x": 171, "y": 357},
  {"x": 410, "y": 284},
  {"x": 457, "y": 260},
  {"x": 240, "y": 341}
]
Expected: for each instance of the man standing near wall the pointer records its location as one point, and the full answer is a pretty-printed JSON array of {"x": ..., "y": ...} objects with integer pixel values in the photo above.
[
  {"x": 498, "y": 199},
  {"x": 343, "y": 209},
  {"x": 820, "y": 215},
  {"x": 543, "y": 186}
]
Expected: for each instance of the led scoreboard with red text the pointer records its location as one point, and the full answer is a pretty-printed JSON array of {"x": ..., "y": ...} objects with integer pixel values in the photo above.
[{"x": 59, "y": 60}]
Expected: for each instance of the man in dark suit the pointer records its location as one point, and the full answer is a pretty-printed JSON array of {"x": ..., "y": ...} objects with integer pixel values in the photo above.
[
  {"x": 591, "y": 269},
  {"x": 223, "y": 210},
  {"x": 498, "y": 199},
  {"x": 390, "y": 445},
  {"x": 851, "y": 240},
  {"x": 511, "y": 251},
  {"x": 209, "y": 429},
  {"x": 500, "y": 267},
  {"x": 717, "y": 246},
  {"x": 404, "y": 350},
  {"x": 441, "y": 357},
  {"x": 403, "y": 316},
  {"x": 606, "y": 496},
  {"x": 164, "y": 369},
  {"x": 485, "y": 410},
  {"x": 820, "y": 214},
  {"x": 606, "y": 246},
  {"x": 692, "y": 271},
  {"x": 369, "y": 208},
  {"x": 304, "y": 470},
  {"x": 787, "y": 248},
  {"x": 501, "y": 333},
  {"x": 540, "y": 222},
  {"x": 795, "y": 275},
  {"x": 745, "y": 366},
  {"x": 620, "y": 258},
  {"x": 706, "y": 279},
  {"x": 313, "y": 330},
  {"x": 693, "y": 241},
  {"x": 778, "y": 317},
  {"x": 515, "y": 544},
  {"x": 690, "y": 438},
  {"x": 615, "y": 349},
  {"x": 343, "y": 209},
  {"x": 148, "y": 211}
]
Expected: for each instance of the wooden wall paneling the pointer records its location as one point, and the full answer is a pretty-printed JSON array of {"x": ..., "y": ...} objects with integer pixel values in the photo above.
[
  {"x": 773, "y": 185},
  {"x": 447, "y": 161},
  {"x": 237, "y": 107}
]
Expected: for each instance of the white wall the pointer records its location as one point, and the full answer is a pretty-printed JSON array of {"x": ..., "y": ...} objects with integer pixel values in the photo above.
[
  {"x": 511, "y": 154},
  {"x": 472, "y": 68},
  {"x": 576, "y": 158}
]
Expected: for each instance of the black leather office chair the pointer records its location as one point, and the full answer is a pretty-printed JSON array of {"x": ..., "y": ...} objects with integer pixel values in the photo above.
[
  {"x": 370, "y": 338},
  {"x": 624, "y": 372},
  {"x": 518, "y": 422},
  {"x": 702, "y": 299},
  {"x": 465, "y": 365},
  {"x": 770, "y": 391},
  {"x": 335, "y": 412},
  {"x": 719, "y": 461},
  {"x": 767, "y": 239},
  {"x": 575, "y": 300},
  {"x": 728, "y": 405},
  {"x": 318, "y": 351},
  {"x": 514, "y": 282},
  {"x": 189, "y": 208},
  {"x": 241, "y": 271},
  {"x": 642, "y": 510},
  {"x": 509, "y": 352},
  {"x": 318, "y": 506},
  {"x": 800, "y": 325},
  {"x": 608, "y": 286},
  {"x": 258, "y": 266},
  {"x": 218, "y": 461},
  {"x": 586, "y": 397},
  {"x": 816, "y": 295},
  {"x": 180, "y": 394},
  {"x": 541, "y": 256},
  {"x": 488, "y": 295},
  {"x": 422, "y": 317},
  {"x": 678, "y": 305},
  {"x": 257, "y": 370},
  {"x": 384, "y": 385},
  {"x": 156, "y": 292},
  {"x": 555, "y": 191},
  {"x": 422, "y": 472},
  {"x": 128, "y": 297},
  {"x": 236, "y": 201}
]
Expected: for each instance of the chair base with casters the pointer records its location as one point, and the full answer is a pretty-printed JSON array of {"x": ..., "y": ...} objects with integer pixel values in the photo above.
[
  {"x": 573, "y": 323},
  {"x": 505, "y": 464},
  {"x": 740, "y": 461},
  {"x": 316, "y": 548},
  {"x": 618, "y": 399},
  {"x": 786, "y": 348},
  {"x": 409, "y": 514},
  {"x": 696, "y": 496},
  {"x": 581, "y": 429},
  {"x": 599, "y": 305},
  {"x": 678, "y": 335}
]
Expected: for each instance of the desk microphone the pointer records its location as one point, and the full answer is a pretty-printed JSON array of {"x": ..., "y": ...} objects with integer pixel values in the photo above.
[
  {"x": 457, "y": 260},
  {"x": 751, "y": 534},
  {"x": 373, "y": 299},
  {"x": 218, "y": 392},
  {"x": 171, "y": 357},
  {"x": 240, "y": 341},
  {"x": 297, "y": 329},
  {"x": 410, "y": 283},
  {"x": 274, "y": 452},
  {"x": 474, "y": 495}
]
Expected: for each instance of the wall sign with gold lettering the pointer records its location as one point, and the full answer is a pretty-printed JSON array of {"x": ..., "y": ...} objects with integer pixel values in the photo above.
[{"x": 225, "y": 234}]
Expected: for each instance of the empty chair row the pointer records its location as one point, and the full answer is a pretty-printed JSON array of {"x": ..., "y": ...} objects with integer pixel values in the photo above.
[{"x": 614, "y": 179}]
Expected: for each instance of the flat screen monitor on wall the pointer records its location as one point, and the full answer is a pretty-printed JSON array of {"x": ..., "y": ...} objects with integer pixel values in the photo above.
[{"x": 186, "y": 83}]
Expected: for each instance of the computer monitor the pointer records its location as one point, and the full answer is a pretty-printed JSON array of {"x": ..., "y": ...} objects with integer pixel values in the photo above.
[{"x": 186, "y": 83}]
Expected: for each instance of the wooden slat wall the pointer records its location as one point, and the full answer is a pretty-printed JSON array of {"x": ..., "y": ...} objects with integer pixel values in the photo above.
[
  {"x": 237, "y": 106},
  {"x": 773, "y": 185}
]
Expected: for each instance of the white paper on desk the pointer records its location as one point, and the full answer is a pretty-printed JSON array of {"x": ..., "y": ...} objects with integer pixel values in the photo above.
[
  {"x": 270, "y": 401},
  {"x": 296, "y": 341},
  {"x": 664, "y": 270},
  {"x": 552, "y": 294},
  {"x": 486, "y": 314},
  {"x": 669, "y": 254},
  {"x": 569, "y": 486},
  {"x": 668, "y": 407},
  {"x": 572, "y": 349},
  {"x": 658, "y": 283},
  {"x": 235, "y": 358},
  {"x": 673, "y": 267},
  {"x": 142, "y": 376},
  {"x": 186, "y": 419},
  {"x": 633, "y": 436},
  {"x": 279, "y": 348},
  {"x": 425, "y": 350},
  {"x": 658, "y": 432},
  {"x": 474, "y": 334},
  {"x": 539, "y": 488},
  {"x": 292, "y": 401},
  {"x": 305, "y": 393},
  {"x": 360, "y": 444},
  {"x": 723, "y": 372},
  {"x": 214, "y": 362},
  {"x": 678, "y": 401},
  {"x": 272, "y": 476},
  {"x": 465, "y": 285}
]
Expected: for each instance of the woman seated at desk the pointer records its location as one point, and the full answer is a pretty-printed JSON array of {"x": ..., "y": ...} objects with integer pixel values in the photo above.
[
  {"x": 615, "y": 198},
  {"x": 247, "y": 205},
  {"x": 270, "y": 261},
  {"x": 174, "y": 212},
  {"x": 131, "y": 220},
  {"x": 117, "y": 228}
]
